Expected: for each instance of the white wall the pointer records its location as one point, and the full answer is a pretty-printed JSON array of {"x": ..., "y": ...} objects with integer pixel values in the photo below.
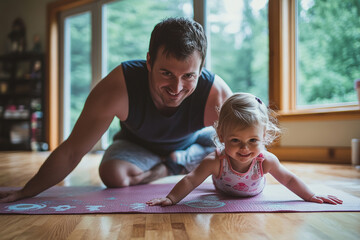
[
  {"x": 33, "y": 12},
  {"x": 308, "y": 133},
  {"x": 320, "y": 133}
]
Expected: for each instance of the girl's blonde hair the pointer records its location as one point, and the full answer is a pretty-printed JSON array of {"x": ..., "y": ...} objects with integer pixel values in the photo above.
[{"x": 246, "y": 110}]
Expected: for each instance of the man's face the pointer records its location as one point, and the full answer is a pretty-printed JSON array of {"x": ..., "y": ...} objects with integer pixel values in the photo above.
[{"x": 172, "y": 80}]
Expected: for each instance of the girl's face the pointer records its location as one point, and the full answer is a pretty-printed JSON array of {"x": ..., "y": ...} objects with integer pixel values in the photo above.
[{"x": 243, "y": 144}]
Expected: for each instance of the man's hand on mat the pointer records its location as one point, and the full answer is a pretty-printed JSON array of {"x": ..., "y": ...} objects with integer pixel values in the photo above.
[
  {"x": 160, "y": 201},
  {"x": 325, "y": 199},
  {"x": 10, "y": 196}
]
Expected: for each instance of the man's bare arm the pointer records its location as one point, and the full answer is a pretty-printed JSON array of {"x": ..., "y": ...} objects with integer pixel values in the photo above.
[{"x": 219, "y": 92}]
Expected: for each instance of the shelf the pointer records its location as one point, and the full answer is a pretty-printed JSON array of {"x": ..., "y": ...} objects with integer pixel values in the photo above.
[
  {"x": 8, "y": 146},
  {"x": 15, "y": 119},
  {"x": 21, "y": 80},
  {"x": 6, "y": 80},
  {"x": 21, "y": 56},
  {"x": 20, "y": 95},
  {"x": 22, "y": 88}
]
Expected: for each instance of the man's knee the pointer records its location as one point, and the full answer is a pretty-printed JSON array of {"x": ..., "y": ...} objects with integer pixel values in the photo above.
[{"x": 114, "y": 174}]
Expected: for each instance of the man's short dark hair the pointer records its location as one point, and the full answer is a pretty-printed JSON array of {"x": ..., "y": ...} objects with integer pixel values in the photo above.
[{"x": 180, "y": 37}]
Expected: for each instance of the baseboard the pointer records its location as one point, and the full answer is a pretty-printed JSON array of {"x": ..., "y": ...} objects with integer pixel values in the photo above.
[{"x": 340, "y": 155}]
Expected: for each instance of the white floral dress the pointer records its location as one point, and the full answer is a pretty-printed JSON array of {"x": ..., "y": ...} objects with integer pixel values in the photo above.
[{"x": 246, "y": 184}]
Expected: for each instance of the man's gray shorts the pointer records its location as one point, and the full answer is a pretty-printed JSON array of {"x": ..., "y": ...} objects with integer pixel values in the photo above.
[{"x": 145, "y": 159}]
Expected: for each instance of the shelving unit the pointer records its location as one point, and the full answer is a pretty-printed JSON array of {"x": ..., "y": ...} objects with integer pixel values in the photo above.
[{"x": 22, "y": 102}]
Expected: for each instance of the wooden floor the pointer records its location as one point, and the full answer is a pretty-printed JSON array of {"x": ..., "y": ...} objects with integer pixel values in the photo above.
[{"x": 17, "y": 168}]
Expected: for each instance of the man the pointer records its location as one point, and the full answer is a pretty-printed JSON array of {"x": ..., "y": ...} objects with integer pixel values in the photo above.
[{"x": 163, "y": 105}]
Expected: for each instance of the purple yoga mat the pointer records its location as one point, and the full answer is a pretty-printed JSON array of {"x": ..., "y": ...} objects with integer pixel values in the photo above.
[{"x": 204, "y": 199}]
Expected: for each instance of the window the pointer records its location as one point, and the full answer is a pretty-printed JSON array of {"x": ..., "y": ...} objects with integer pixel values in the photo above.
[
  {"x": 239, "y": 44},
  {"x": 328, "y": 52},
  {"x": 77, "y": 67},
  {"x": 314, "y": 60}
]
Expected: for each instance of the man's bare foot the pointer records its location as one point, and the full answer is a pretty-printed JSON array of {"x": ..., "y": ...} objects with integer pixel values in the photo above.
[
  {"x": 173, "y": 167},
  {"x": 158, "y": 171}
]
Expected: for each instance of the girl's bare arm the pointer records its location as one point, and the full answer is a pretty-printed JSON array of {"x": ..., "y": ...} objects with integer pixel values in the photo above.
[
  {"x": 273, "y": 166},
  {"x": 210, "y": 165}
]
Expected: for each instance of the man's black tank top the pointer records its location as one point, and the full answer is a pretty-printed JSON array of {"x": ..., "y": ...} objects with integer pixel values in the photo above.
[{"x": 149, "y": 128}]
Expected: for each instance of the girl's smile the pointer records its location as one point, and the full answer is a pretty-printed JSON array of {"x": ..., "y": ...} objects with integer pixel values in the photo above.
[{"x": 244, "y": 155}]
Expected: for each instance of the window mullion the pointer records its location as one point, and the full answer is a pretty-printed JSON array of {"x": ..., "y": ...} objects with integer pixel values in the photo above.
[
  {"x": 292, "y": 54},
  {"x": 282, "y": 69},
  {"x": 96, "y": 56},
  {"x": 96, "y": 44},
  {"x": 200, "y": 16},
  {"x": 275, "y": 58}
]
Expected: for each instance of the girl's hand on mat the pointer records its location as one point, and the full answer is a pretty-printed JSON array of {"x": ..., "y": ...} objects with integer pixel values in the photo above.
[
  {"x": 10, "y": 196},
  {"x": 325, "y": 199},
  {"x": 160, "y": 201}
]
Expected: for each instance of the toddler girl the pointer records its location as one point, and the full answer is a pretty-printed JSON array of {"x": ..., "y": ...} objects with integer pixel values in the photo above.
[{"x": 244, "y": 128}]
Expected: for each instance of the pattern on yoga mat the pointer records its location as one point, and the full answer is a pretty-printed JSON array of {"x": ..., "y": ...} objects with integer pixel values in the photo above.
[{"x": 204, "y": 199}]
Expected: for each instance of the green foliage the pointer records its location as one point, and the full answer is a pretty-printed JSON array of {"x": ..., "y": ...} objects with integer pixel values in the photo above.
[
  {"x": 129, "y": 26},
  {"x": 80, "y": 63},
  {"x": 241, "y": 57},
  {"x": 328, "y": 51}
]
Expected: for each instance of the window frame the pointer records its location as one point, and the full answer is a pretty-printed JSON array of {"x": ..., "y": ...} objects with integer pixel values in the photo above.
[
  {"x": 282, "y": 69},
  {"x": 282, "y": 66}
]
